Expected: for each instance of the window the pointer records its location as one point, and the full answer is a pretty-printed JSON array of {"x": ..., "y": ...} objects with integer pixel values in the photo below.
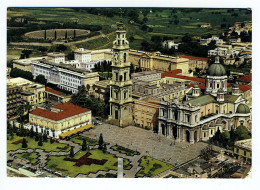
[
  {"x": 211, "y": 132},
  {"x": 116, "y": 76},
  {"x": 237, "y": 150},
  {"x": 244, "y": 153},
  {"x": 124, "y": 95},
  {"x": 116, "y": 114},
  {"x": 124, "y": 55},
  {"x": 124, "y": 76}
]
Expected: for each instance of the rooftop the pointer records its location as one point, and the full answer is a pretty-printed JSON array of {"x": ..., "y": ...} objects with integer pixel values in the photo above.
[
  {"x": 245, "y": 88},
  {"x": 52, "y": 91},
  {"x": 247, "y": 78},
  {"x": 244, "y": 144},
  {"x": 202, "y": 100},
  {"x": 197, "y": 58},
  {"x": 66, "y": 110}
]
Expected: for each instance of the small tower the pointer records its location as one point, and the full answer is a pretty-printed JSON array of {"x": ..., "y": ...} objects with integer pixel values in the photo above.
[
  {"x": 196, "y": 91},
  {"x": 220, "y": 95},
  {"x": 216, "y": 78},
  {"x": 235, "y": 90}
]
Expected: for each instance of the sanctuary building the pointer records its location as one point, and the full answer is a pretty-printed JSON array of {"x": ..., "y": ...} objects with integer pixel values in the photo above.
[{"x": 201, "y": 114}]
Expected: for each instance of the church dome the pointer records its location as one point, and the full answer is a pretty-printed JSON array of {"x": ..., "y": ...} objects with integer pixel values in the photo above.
[
  {"x": 242, "y": 108},
  {"x": 216, "y": 69}
]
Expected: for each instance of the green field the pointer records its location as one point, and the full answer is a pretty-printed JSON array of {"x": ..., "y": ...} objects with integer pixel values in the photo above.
[
  {"x": 32, "y": 157},
  {"x": 151, "y": 167},
  {"x": 67, "y": 167},
  {"x": 32, "y": 144},
  {"x": 161, "y": 21}
]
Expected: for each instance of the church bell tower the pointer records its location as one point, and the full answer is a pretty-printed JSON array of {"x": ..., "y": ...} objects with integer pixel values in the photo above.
[{"x": 120, "y": 83}]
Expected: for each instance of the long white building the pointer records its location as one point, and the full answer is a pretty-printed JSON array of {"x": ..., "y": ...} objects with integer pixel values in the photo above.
[{"x": 65, "y": 76}]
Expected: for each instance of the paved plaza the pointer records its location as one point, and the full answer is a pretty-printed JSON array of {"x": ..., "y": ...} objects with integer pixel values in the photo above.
[{"x": 147, "y": 143}]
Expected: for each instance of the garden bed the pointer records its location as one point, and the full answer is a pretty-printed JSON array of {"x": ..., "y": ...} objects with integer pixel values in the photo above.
[
  {"x": 124, "y": 150},
  {"x": 151, "y": 167}
]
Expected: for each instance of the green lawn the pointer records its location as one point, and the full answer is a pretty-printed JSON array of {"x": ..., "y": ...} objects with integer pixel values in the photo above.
[
  {"x": 124, "y": 150},
  {"x": 32, "y": 157},
  {"x": 89, "y": 141},
  {"x": 151, "y": 167},
  {"x": 47, "y": 146},
  {"x": 59, "y": 164}
]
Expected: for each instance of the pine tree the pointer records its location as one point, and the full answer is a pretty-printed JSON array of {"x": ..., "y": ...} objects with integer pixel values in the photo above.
[
  {"x": 45, "y": 35},
  {"x": 36, "y": 137},
  {"x": 100, "y": 142},
  {"x": 71, "y": 152},
  {"x": 105, "y": 148},
  {"x": 24, "y": 144},
  {"x": 74, "y": 34},
  {"x": 55, "y": 35},
  {"x": 66, "y": 35},
  {"x": 40, "y": 141},
  {"x": 31, "y": 133},
  {"x": 84, "y": 145},
  {"x": 45, "y": 138}
]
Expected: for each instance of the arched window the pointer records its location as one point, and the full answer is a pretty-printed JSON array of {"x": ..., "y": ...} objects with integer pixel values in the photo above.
[{"x": 124, "y": 57}]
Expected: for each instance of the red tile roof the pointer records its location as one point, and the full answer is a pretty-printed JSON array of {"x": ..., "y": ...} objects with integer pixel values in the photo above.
[
  {"x": 247, "y": 78},
  {"x": 201, "y": 86},
  {"x": 245, "y": 88},
  {"x": 154, "y": 103},
  {"x": 52, "y": 91},
  {"x": 174, "y": 74},
  {"x": 197, "y": 58},
  {"x": 68, "y": 110},
  {"x": 171, "y": 73}
]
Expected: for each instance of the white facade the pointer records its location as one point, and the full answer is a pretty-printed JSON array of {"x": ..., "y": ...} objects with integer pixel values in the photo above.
[
  {"x": 56, "y": 57},
  {"x": 82, "y": 55},
  {"x": 65, "y": 79},
  {"x": 169, "y": 44}
]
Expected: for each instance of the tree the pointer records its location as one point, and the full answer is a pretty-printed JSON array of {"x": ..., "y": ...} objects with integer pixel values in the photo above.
[
  {"x": 131, "y": 38},
  {"x": 242, "y": 132},
  {"x": 72, "y": 152},
  {"x": 36, "y": 137},
  {"x": 176, "y": 22},
  {"x": 45, "y": 138},
  {"x": 66, "y": 35},
  {"x": 20, "y": 111},
  {"x": 74, "y": 34},
  {"x": 60, "y": 48},
  {"x": 41, "y": 79},
  {"x": 55, "y": 35},
  {"x": 104, "y": 148},
  {"x": 186, "y": 38},
  {"x": 24, "y": 143},
  {"x": 84, "y": 145},
  {"x": 132, "y": 69},
  {"x": 31, "y": 132},
  {"x": 100, "y": 142},
  {"x": 40, "y": 141},
  {"x": 45, "y": 34}
]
